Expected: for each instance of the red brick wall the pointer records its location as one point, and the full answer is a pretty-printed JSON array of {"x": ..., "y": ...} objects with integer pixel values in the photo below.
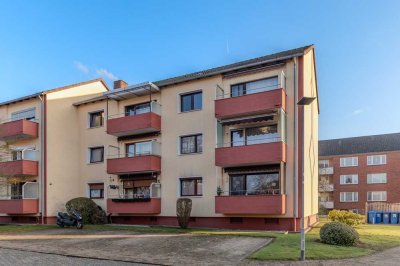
[{"x": 391, "y": 168}]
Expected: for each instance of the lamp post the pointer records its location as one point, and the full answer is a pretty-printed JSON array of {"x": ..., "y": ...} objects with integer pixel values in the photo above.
[{"x": 303, "y": 102}]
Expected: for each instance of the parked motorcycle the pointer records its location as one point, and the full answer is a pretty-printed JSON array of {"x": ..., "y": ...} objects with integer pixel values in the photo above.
[{"x": 75, "y": 219}]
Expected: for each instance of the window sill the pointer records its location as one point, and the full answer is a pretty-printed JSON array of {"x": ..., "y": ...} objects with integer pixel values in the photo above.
[
  {"x": 195, "y": 153},
  {"x": 95, "y": 163},
  {"x": 191, "y": 196},
  {"x": 95, "y": 127},
  {"x": 191, "y": 111}
]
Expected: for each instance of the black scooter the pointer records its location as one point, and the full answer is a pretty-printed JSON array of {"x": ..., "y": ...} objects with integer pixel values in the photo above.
[{"x": 75, "y": 219}]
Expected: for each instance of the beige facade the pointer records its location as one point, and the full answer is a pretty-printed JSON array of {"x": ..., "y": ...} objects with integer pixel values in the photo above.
[{"x": 69, "y": 172}]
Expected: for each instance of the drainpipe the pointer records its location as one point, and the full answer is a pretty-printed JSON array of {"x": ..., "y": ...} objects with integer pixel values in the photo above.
[
  {"x": 42, "y": 158},
  {"x": 296, "y": 141}
]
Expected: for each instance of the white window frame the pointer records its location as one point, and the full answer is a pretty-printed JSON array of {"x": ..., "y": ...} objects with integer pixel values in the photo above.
[
  {"x": 354, "y": 179},
  {"x": 383, "y": 195},
  {"x": 381, "y": 176},
  {"x": 354, "y": 161},
  {"x": 382, "y": 159},
  {"x": 354, "y": 197},
  {"x": 324, "y": 162}
]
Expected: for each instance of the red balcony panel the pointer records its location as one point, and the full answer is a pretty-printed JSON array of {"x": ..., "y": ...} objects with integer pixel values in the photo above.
[
  {"x": 257, "y": 204},
  {"x": 251, "y": 104},
  {"x": 134, "y": 125},
  {"x": 257, "y": 154},
  {"x": 137, "y": 164},
  {"x": 19, "y": 206},
  {"x": 19, "y": 168},
  {"x": 152, "y": 206},
  {"x": 20, "y": 129}
]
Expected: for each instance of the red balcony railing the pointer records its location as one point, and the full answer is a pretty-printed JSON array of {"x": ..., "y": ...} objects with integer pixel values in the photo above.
[
  {"x": 253, "y": 204},
  {"x": 134, "y": 206},
  {"x": 19, "y": 129},
  {"x": 136, "y": 164},
  {"x": 246, "y": 155},
  {"x": 19, "y": 206},
  {"x": 250, "y": 104},
  {"x": 20, "y": 168},
  {"x": 134, "y": 124}
]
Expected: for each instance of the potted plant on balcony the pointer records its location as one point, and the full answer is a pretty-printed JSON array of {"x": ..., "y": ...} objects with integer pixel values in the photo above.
[{"x": 219, "y": 191}]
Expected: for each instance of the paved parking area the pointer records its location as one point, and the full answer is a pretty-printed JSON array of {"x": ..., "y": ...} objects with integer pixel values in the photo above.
[
  {"x": 164, "y": 249},
  {"x": 15, "y": 257}
]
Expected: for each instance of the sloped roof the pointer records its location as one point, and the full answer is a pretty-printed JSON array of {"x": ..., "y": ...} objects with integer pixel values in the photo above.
[
  {"x": 364, "y": 144},
  {"x": 239, "y": 65},
  {"x": 24, "y": 98}
]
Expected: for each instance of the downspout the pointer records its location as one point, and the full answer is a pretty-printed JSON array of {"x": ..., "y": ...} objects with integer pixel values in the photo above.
[
  {"x": 42, "y": 158},
  {"x": 296, "y": 141}
]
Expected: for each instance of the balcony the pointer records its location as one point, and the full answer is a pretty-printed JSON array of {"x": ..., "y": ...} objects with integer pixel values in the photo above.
[
  {"x": 19, "y": 206},
  {"x": 325, "y": 171},
  {"x": 253, "y": 204},
  {"x": 129, "y": 125},
  {"x": 120, "y": 202},
  {"x": 146, "y": 162},
  {"x": 327, "y": 204},
  {"x": 134, "y": 206},
  {"x": 18, "y": 130},
  {"x": 250, "y": 104},
  {"x": 19, "y": 168},
  {"x": 325, "y": 187},
  {"x": 247, "y": 155}
]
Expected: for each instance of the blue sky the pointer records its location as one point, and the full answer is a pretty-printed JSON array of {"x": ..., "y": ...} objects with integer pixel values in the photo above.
[{"x": 46, "y": 44}]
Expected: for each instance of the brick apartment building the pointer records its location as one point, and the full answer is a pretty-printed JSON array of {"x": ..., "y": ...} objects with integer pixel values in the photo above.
[
  {"x": 230, "y": 138},
  {"x": 353, "y": 171}
]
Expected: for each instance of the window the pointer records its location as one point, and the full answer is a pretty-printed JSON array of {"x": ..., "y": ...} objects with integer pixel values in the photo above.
[
  {"x": 28, "y": 114},
  {"x": 354, "y": 210},
  {"x": 254, "y": 86},
  {"x": 376, "y": 195},
  {"x": 348, "y": 161},
  {"x": 192, "y": 186},
  {"x": 348, "y": 196},
  {"x": 16, "y": 155},
  {"x": 138, "y": 148},
  {"x": 348, "y": 179},
  {"x": 137, "y": 109},
  {"x": 137, "y": 189},
  {"x": 323, "y": 163},
  {"x": 191, "y": 101},
  {"x": 254, "y": 135},
  {"x": 380, "y": 178},
  {"x": 254, "y": 184},
  {"x": 96, "y": 119},
  {"x": 376, "y": 159},
  {"x": 192, "y": 144},
  {"x": 96, "y": 154},
  {"x": 96, "y": 191}
]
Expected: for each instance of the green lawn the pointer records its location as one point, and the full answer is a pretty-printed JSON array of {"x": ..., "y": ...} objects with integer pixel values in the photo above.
[{"x": 373, "y": 238}]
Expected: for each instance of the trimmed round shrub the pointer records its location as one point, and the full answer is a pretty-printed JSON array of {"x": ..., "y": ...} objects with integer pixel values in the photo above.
[
  {"x": 90, "y": 211},
  {"x": 336, "y": 233}
]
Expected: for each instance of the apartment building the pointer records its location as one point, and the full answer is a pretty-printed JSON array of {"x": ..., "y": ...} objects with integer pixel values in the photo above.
[
  {"x": 353, "y": 171},
  {"x": 230, "y": 138}
]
